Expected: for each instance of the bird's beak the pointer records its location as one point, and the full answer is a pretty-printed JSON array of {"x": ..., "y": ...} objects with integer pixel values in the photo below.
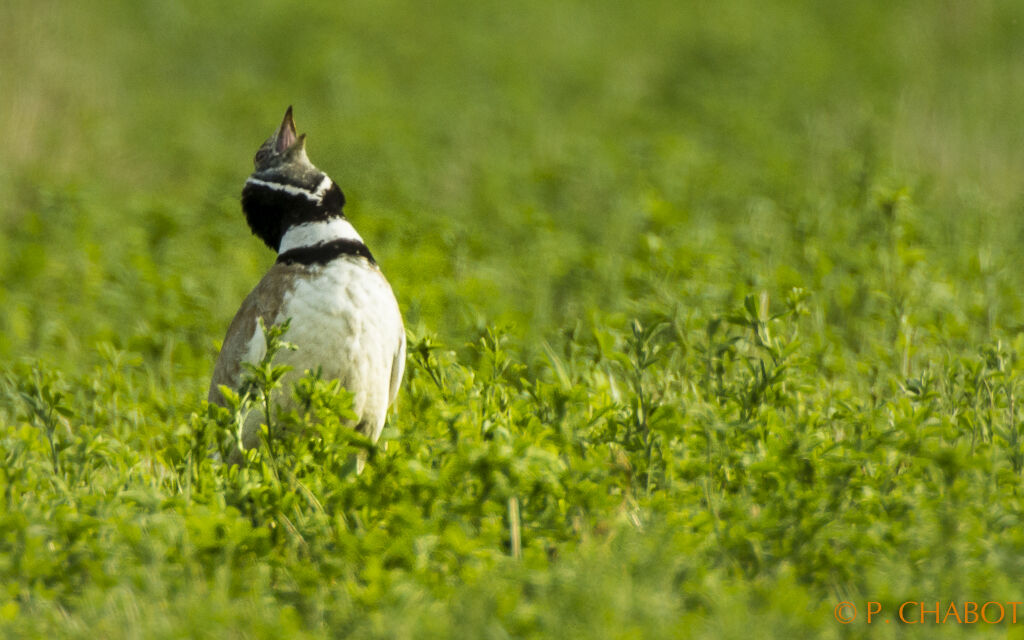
[{"x": 285, "y": 137}]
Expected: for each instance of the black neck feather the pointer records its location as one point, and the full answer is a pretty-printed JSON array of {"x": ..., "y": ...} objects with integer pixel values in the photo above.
[
  {"x": 271, "y": 212},
  {"x": 325, "y": 252}
]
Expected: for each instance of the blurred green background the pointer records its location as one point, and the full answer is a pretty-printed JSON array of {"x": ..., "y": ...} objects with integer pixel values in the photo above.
[
  {"x": 526, "y": 162},
  {"x": 554, "y": 169}
]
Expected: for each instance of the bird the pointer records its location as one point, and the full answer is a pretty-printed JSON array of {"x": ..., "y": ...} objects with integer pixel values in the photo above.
[{"x": 343, "y": 317}]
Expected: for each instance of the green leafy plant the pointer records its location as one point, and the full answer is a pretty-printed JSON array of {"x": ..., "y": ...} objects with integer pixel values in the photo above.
[
  {"x": 707, "y": 333},
  {"x": 44, "y": 395}
]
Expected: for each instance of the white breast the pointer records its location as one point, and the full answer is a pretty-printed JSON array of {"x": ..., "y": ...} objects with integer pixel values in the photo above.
[{"x": 345, "y": 319}]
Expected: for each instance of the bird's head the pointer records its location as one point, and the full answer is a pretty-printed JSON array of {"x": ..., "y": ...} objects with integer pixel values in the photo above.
[
  {"x": 285, "y": 188},
  {"x": 282, "y": 158}
]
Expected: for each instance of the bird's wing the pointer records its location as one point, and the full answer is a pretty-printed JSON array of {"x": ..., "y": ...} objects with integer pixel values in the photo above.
[
  {"x": 263, "y": 302},
  {"x": 397, "y": 368}
]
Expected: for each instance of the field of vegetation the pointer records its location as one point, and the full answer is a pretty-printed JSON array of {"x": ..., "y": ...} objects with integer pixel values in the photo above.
[{"x": 715, "y": 312}]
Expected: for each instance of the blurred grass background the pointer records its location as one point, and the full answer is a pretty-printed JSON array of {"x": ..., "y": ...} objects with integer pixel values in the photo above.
[
  {"x": 506, "y": 162},
  {"x": 553, "y": 167}
]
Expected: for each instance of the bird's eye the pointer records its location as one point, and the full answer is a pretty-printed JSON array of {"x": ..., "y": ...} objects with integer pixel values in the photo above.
[{"x": 261, "y": 156}]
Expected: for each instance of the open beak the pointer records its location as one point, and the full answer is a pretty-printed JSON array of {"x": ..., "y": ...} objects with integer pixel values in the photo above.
[{"x": 286, "y": 134}]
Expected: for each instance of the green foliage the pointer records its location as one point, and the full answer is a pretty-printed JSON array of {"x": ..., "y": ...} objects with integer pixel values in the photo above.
[{"x": 714, "y": 319}]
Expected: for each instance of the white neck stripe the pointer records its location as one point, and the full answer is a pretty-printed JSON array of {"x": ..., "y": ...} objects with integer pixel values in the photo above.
[
  {"x": 287, "y": 188},
  {"x": 310, "y": 234},
  {"x": 321, "y": 190}
]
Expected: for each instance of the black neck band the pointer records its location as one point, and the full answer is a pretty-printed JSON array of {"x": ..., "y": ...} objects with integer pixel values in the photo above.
[
  {"x": 325, "y": 252},
  {"x": 271, "y": 211}
]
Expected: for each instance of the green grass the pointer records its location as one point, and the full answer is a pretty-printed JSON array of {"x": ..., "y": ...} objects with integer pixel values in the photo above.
[{"x": 715, "y": 316}]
